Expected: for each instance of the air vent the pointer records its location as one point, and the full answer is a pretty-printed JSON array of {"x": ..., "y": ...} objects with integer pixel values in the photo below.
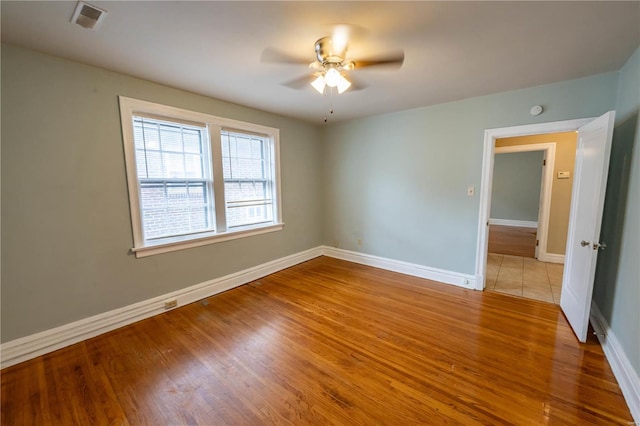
[{"x": 88, "y": 16}]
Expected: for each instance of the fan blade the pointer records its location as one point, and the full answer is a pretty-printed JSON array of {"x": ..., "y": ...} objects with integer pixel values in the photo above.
[
  {"x": 394, "y": 59},
  {"x": 300, "y": 82},
  {"x": 271, "y": 55},
  {"x": 356, "y": 83}
]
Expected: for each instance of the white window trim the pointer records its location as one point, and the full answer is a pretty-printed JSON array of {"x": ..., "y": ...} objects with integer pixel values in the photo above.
[{"x": 130, "y": 107}]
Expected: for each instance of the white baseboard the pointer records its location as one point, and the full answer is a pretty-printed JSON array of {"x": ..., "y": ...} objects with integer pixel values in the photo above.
[
  {"x": 626, "y": 375},
  {"x": 34, "y": 345},
  {"x": 448, "y": 277},
  {"x": 518, "y": 223},
  {"x": 551, "y": 258}
]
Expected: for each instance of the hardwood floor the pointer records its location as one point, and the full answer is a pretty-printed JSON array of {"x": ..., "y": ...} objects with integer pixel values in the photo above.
[
  {"x": 512, "y": 240},
  {"x": 327, "y": 342}
]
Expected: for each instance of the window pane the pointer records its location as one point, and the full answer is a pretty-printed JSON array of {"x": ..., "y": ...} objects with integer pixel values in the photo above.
[
  {"x": 256, "y": 148},
  {"x": 150, "y": 136},
  {"x": 171, "y": 138},
  {"x": 242, "y": 169},
  {"x": 174, "y": 165},
  {"x": 249, "y": 215},
  {"x": 138, "y": 136},
  {"x": 243, "y": 147},
  {"x": 174, "y": 208},
  {"x": 193, "y": 166},
  {"x": 257, "y": 169},
  {"x": 192, "y": 141},
  {"x": 232, "y": 191},
  {"x": 154, "y": 165}
]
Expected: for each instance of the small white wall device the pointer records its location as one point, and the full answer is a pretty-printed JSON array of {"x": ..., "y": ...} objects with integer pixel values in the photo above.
[{"x": 535, "y": 110}]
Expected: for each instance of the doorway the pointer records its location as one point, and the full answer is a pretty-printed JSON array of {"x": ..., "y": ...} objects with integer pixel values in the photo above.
[
  {"x": 522, "y": 184},
  {"x": 538, "y": 277},
  {"x": 587, "y": 202}
]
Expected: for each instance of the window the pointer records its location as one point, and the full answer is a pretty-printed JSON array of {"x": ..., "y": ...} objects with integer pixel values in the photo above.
[
  {"x": 246, "y": 171},
  {"x": 173, "y": 169},
  {"x": 196, "y": 179}
]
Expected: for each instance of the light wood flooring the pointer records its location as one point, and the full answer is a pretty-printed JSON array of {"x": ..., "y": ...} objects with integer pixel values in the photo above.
[
  {"x": 512, "y": 240},
  {"x": 523, "y": 276},
  {"x": 327, "y": 342}
]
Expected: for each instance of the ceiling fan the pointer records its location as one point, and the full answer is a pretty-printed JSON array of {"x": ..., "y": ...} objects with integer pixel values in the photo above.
[{"x": 332, "y": 65}]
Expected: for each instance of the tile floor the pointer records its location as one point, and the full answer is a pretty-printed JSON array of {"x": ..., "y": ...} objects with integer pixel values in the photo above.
[{"x": 524, "y": 276}]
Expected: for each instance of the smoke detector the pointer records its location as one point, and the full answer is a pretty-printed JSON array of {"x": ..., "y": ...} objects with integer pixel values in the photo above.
[{"x": 88, "y": 16}]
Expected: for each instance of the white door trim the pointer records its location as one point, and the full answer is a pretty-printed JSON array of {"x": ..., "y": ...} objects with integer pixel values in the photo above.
[
  {"x": 544, "y": 209},
  {"x": 490, "y": 136}
]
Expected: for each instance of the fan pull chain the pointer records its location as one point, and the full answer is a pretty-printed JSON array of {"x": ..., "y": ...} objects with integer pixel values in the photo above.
[{"x": 330, "y": 103}]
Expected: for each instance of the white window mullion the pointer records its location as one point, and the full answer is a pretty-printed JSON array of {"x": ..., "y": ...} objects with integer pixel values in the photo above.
[
  {"x": 206, "y": 159},
  {"x": 215, "y": 139}
]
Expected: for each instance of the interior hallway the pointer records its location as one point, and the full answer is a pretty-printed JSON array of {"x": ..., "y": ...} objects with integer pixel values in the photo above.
[{"x": 512, "y": 240}]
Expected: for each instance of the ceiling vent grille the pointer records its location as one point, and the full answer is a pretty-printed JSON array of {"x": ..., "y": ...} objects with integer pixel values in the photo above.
[{"x": 88, "y": 16}]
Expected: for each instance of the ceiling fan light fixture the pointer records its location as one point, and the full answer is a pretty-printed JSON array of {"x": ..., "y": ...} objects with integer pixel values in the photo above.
[
  {"x": 343, "y": 84},
  {"x": 319, "y": 84},
  {"x": 332, "y": 77}
]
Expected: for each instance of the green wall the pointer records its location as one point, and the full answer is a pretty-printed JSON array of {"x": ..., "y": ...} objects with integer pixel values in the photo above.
[
  {"x": 398, "y": 182},
  {"x": 515, "y": 192},
  {"x": 617, "y": 284},
  {"x": 66, "y": 227}
]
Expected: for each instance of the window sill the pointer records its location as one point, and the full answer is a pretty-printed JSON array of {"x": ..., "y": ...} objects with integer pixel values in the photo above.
[{"x": 166, "y": 247}]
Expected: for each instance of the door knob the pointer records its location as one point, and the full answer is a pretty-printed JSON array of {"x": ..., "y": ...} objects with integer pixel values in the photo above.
[
  {"x": 600, "y": 246},
  {"x": 584, "y": 243}
]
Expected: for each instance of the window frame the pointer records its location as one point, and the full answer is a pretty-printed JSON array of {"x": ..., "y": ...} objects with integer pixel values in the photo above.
[{"x": 129, "y": 108}]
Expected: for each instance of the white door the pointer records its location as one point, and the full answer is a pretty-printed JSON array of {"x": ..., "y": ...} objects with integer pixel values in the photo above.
[{"x": 589, "y": 185}]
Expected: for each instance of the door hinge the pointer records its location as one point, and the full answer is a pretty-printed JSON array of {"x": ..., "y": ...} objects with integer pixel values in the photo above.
[
  {"x": 544, "y": 162},
  {"x": 537, "y": 243}
]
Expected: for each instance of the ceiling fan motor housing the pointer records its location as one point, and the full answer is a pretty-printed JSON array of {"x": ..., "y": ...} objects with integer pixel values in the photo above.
[{"x": 327, "y": 53}]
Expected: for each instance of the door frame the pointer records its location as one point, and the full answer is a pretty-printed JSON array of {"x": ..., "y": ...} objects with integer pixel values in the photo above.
[
  {"x": 490, "y": 136},
  {"x": 546, "y": 180}
]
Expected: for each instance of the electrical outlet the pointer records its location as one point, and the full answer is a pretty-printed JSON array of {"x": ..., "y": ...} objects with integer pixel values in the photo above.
[{"x": 169, "y": 304}]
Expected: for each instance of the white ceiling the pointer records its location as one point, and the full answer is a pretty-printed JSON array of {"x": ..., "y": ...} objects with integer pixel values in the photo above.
[{"x": 453, "y": 50}]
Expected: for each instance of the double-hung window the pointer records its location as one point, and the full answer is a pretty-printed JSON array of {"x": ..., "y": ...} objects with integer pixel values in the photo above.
[
  {"x": 195, "y": 179},
  {"x": 247, "y": 179}
]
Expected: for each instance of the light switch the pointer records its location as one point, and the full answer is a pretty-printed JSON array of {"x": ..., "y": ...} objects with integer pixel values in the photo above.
[
  {"x": 564, "y": 175},
  {"x": 470, "y": 191}
]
